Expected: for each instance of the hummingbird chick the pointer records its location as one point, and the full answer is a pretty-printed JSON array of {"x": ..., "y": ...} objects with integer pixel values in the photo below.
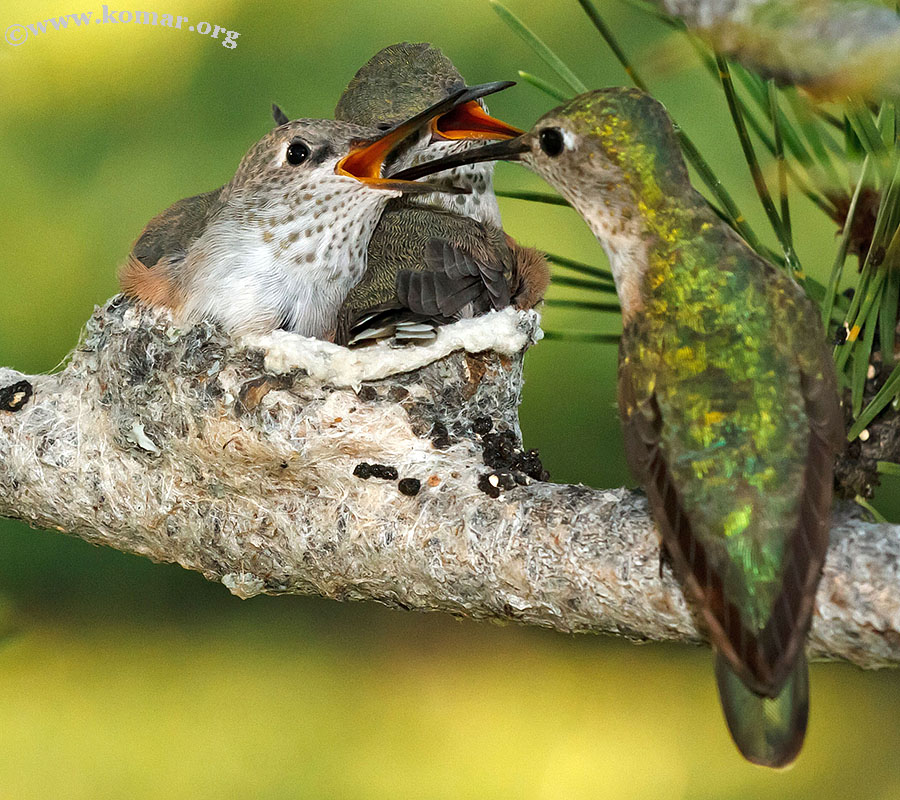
[
  {"x": 727, "y": 394},
  {"x": 434, "y": 258},
  {"x": 282, "y": 243}
]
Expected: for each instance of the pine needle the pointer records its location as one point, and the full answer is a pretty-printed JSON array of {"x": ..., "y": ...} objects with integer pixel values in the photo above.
[
  {"x": 544, "y": 86},
  {"x": 535, "y": 43}
]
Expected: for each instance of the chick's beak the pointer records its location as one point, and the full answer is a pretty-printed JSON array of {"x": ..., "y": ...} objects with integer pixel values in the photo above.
[
  {"x": 365, "y": 159},
  {"x": 471, "y": 121}
]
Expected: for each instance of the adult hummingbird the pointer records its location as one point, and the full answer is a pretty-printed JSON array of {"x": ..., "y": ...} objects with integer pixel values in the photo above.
[
  {"x": 727, "y": 394},
  {"x": 433, "y": 258},
  {"x": 282, "y": 243}
]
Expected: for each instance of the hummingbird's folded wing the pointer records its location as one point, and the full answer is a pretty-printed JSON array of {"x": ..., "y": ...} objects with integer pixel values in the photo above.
[
  {"x": 453, "y": 280},
  {"x": 169, "y": 234},
  {"x": 642, "y": 426},
  {"x": 423, "y": 301},
  {"x": 493, "y": 268},
  {"x": 762, "y": 657},
  {"x": 426, "y": 267},
  {"x": 435, "y": 294},
  {"x": 149, "y": 272}
]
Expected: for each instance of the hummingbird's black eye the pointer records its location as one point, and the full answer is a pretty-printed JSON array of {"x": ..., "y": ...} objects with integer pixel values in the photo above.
[
  {"x": 297, "y": 153},
  {"x": 552, "y": 141}
]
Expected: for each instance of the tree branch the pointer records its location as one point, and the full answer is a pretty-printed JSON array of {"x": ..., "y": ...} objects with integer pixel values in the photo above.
[
  {"x": 237, "y": 460},
  {"x": 828, "y": 46}
]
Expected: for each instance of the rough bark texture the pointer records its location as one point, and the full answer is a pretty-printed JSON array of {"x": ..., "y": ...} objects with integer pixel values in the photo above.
[{"x": 228, "y": 459}]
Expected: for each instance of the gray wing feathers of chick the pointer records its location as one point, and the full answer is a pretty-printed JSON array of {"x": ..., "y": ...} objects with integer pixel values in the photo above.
[{"x": 170, "y": 234}]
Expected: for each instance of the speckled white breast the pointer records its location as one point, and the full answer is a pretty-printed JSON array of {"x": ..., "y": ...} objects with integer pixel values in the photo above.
[{"x": 292, "y": 266}]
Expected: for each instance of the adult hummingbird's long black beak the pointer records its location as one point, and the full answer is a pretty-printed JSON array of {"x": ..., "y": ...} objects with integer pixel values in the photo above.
[
  {"x": 509, "y": 150},
  {"x": 364, "y": 162}
]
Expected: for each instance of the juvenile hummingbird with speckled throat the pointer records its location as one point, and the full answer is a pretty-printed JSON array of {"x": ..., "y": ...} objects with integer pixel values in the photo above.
[
  {"x": 436, "y": 257},
  {"x": 727, "y": 394},
  {"x": 283, "y": 242}
]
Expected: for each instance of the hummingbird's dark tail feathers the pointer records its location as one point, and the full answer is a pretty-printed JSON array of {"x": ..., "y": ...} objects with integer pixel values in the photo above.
[
  {"x": 767, "y": 731},
  {"x": 400, "y": 325}
]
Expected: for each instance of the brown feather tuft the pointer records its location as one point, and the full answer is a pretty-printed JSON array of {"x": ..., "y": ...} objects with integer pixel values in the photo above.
[
  {"x": 531, "y": 275},
  {"x": 151, "y": 286}
]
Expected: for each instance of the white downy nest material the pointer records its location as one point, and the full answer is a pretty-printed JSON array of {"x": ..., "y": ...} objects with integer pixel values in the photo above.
[{"x": 507, "y": 332}]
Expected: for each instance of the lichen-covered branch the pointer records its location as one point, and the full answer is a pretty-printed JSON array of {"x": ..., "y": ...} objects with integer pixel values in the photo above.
[{"x": 284, "y": 465}]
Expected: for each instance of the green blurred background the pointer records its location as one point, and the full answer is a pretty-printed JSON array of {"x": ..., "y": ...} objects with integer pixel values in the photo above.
[{"x": 121, "y": 678}]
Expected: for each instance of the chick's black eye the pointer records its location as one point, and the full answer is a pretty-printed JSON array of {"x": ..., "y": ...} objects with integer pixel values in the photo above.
[
  {"x": 297, "y": 153},
  {"x": 552, "y": 141}
]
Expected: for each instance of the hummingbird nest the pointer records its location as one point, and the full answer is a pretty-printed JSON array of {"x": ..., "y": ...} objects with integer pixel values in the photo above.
[{"x": 279, "y": 464}]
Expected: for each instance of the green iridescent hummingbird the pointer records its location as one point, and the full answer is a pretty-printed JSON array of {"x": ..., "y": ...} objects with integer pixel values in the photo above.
[
  {"x": 435, "y": 259},
  {"x": 727, "y": 394}
]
